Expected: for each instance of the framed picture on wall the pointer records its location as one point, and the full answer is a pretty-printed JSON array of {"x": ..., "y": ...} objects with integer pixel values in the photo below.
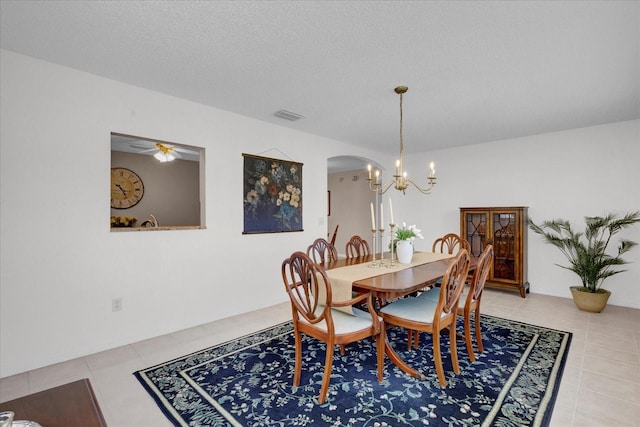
[{"x": 272, "y": 192}]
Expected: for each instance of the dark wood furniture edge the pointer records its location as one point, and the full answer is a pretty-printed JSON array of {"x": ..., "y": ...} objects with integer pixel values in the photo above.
[
  {"x": 523, "y": 288},
  {"x": 94, "y": 402},
  {"x": 69, "y": 405}
]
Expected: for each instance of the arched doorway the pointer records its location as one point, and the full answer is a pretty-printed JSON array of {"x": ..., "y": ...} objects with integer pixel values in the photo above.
[{"x": 349, "y": 199}]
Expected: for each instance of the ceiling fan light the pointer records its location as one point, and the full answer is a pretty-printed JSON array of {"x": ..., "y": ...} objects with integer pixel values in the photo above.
[{"x": 164, "y": 157}]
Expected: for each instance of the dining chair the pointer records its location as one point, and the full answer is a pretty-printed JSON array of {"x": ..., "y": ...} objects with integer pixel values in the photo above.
[
  {"x": 335, "y": 234},
  {"x": 321, "y": 251},
  {"x": 315, "y": 314},
  {"x": 357, "y": 247},
  {"x": 449, "y": 243},
  {"x": 470, "y": 300},
  {"x": 426, "y": 315}
]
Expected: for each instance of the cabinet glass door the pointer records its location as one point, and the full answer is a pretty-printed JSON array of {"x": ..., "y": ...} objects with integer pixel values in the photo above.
[
  {"x": 476, "y": 229},
  {"x": 504, "y": 246}
]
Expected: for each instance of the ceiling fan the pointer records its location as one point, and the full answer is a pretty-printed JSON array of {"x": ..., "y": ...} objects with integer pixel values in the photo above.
[{"x": 164, "y": 152}]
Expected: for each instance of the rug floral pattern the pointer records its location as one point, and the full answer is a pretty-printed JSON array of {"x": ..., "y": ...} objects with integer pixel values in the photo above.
[{"x": 248, "y": 382}]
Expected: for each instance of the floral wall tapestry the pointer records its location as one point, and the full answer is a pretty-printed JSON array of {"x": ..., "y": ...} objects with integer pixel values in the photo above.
[{"x": 272, "y": 195}]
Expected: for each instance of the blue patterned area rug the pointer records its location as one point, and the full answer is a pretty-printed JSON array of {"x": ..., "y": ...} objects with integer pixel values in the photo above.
[{"x": 248, "y": 382}]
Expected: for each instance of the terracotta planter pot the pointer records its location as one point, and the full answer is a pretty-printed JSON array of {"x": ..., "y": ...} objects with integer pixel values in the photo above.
[{"x": 588, "y": 301}]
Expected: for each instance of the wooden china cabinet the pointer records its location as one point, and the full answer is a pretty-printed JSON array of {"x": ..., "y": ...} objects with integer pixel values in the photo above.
[{"x": 506, "y": 229}]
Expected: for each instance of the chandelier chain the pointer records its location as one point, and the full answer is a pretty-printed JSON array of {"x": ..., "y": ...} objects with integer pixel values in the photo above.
[{"x": 401, "y": 125}]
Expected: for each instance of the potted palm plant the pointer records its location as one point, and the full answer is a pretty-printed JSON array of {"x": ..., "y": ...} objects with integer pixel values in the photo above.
[{"x": 587, "y": 255}]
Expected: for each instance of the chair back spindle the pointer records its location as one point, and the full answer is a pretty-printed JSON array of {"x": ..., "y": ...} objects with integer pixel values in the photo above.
[
  {"x": 321, "y": 251},
  {"x": 450, "y": 243},
  {"x": 335, "y": 234},
  {"x": 357, "y": 247},
  {"x": 453, "y": 282}
]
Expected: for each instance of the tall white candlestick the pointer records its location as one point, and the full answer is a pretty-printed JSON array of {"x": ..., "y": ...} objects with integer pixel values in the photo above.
[
  {"x": 381, "y": 217},
  {"x": 373, "y": 218},
  {"x": 391, "y": 210}
]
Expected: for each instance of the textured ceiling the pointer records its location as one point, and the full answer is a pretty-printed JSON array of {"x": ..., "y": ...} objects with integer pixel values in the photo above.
[{"x": 476, "y": 71}]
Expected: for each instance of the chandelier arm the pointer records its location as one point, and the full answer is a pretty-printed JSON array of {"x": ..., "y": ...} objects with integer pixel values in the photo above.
[
  {"x": 378, "y": 188},
  {"x": 427, "y": 190}
]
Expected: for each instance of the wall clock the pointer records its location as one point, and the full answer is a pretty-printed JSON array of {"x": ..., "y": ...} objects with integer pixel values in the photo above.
[{"x": 127, "y": 188}]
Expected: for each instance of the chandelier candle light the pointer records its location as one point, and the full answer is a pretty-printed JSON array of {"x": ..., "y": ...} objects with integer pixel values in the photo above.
[{"x": 400, "y": 180}]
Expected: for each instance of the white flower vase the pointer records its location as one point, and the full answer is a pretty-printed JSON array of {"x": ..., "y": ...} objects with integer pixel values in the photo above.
[{"x": 404, "y": 249}]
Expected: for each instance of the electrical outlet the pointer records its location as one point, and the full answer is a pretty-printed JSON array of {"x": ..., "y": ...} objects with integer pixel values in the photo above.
[{"x": 116, "y": 304}]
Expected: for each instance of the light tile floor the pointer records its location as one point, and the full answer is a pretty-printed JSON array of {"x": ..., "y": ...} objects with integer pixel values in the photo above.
[{"x": 600, "y": 386}]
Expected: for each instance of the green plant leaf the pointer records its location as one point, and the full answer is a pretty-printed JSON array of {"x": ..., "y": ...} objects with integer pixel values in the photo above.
[{"x": 586, "y": 252}]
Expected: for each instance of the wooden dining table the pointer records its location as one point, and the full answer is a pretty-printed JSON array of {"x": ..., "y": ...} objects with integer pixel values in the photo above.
[{"x": 390, "y": 283}]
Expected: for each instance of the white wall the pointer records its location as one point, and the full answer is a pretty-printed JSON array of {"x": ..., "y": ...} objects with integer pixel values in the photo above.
[
  {"x": 572, "y": 174},
  {"x": 60, "y": 266}
]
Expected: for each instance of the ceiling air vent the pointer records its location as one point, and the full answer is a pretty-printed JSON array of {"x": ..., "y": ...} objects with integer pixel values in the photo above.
[{"x": 287, "y": 115}]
